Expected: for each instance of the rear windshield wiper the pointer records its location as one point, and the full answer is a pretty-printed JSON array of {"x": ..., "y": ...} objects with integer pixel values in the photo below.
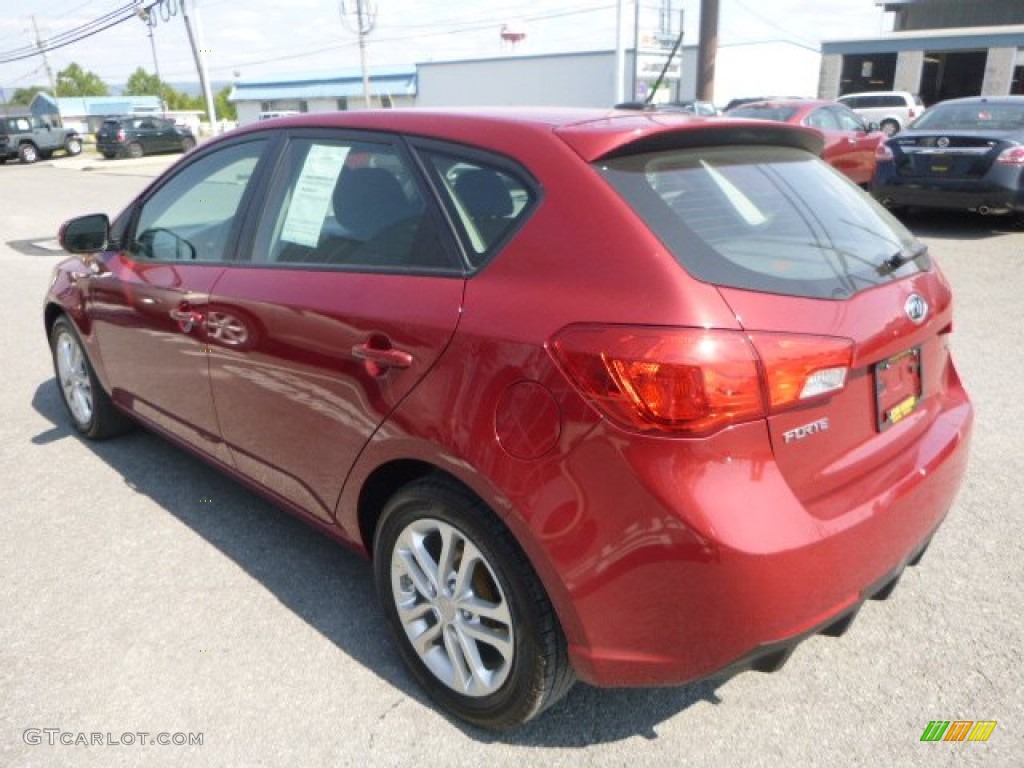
[{"x": 902, "y": 257}]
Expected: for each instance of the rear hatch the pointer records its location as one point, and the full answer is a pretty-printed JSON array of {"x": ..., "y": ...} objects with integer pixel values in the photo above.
[
  {"x": 109, "y": 132},
  {"x": 845, "y": 313}
]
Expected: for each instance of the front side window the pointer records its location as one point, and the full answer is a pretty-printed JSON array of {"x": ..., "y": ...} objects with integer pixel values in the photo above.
[
  {"x": 348, "y": 204},
  {"x": 848, "y": 121},
  {"x": 190, "y": 217},
  {"x": 769, "y": 219}
]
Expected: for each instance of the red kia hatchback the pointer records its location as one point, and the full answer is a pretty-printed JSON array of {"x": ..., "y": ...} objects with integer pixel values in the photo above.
[{"x": 629, "y": 398}]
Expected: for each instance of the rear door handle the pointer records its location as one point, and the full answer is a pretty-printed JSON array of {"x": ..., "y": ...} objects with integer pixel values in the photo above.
[{"x": 378, "y": 359}]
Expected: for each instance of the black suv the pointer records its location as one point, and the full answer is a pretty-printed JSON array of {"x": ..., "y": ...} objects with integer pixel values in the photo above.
[
  {"x": 30, "y": 138},
  {"x": 138, "y": 135}
]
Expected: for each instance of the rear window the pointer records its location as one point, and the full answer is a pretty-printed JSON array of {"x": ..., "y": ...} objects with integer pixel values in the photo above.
[
  {"x": 766, "y": 112},
  {"x": 983, "y": 116},
  {"x": 769, "y": 219}
]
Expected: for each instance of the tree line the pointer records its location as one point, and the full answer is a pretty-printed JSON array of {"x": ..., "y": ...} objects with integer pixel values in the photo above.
[{"x": 74, "y": 81}]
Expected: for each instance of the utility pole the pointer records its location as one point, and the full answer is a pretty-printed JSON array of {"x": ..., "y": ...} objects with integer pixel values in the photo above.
[
  {"x": 150, "y": 21},
  {"x": 46, "y": 60},
  {"x": 707, "y": 50},
  {"x": 620, "y": 56},
  {"x": 363, "y": 24},
  {"x": 199, "y": 55}
]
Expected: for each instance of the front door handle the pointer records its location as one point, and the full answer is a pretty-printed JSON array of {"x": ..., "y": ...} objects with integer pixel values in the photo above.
[
  {"x": 186, "y": 318},
  {"x": 379, "y": 359}
]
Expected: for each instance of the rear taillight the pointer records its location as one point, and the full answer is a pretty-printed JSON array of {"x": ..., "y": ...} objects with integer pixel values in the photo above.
[
  {"x": 1011, "y": 156},
  {"x": 692, "y": 382},
  {"x": 883, "y": 153},
  {"x": 800, "y": 368},
  {"x": 121, "y": 135}
]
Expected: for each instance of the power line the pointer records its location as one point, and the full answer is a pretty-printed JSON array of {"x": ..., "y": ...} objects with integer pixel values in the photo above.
[
  {"x": 409, "y": 34},
  {"x": 75, "y": 35}
]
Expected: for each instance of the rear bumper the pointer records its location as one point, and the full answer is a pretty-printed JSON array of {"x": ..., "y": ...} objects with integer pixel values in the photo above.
[
  {"x": 727, "y": 571},
  {"x": 112, "y": 147},
  {"x": 771, "y": 657},
  {"x": 1002, "y": 196}
]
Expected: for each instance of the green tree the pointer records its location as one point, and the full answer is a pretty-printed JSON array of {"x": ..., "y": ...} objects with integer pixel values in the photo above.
[
  {"x": 23, "y": 96},
  {"x": 75, "y": 81},
  {"x": 176, "y": 100},
  {"x": 225, "y": 109},
  {"x": 142, "y": 83}
]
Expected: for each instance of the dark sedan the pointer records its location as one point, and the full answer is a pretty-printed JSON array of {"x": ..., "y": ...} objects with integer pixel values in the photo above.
[
  {"x": 962, "y": 154},
  {"x": 850, "y": 142},
  {"x": 138, "y": 135}
]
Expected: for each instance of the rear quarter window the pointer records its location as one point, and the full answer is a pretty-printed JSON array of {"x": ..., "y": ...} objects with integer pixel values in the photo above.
[
  {"x": 487, "y": 201},
  {"x": 769, "y": 219}
]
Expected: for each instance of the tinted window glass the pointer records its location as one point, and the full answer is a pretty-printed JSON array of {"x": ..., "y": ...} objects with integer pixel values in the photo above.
[
  {"x": 766, "y": 112},
  {"x": 190, "y": 216},
  {"x": 848, "y": 121},
  {"x": 350, "y": 204},
  {"x": 973, "y": 116},
  {"x": 822, "y": 119},
  {"x": 488, "y": 202},
  {"x": 763, "y": 218}
]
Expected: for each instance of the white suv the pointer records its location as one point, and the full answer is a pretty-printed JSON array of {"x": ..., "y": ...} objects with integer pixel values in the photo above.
[{"x": 892, "y": 110}]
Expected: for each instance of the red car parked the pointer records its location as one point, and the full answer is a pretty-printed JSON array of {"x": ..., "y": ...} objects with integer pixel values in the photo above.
[
  {"x": 850, "y": 142},
  {"x": 628, "y": 398}
]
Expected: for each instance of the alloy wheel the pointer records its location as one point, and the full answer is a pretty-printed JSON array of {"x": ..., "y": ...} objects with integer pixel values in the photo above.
[
  {"x": 74, "y": 378},
  {"x": 452, "y": 607}
]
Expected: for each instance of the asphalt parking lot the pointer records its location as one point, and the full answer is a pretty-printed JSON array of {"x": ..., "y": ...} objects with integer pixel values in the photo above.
[{"x": 143, "y": 593}]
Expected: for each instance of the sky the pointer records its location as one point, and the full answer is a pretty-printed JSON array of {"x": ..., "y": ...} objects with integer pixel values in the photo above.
[{"x": 260, "y": 39}]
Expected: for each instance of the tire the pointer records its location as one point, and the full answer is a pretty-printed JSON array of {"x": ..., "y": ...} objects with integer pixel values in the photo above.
[
  {"x": 27, "y": 153},
  {"x": 109, "y": 155},
  {"x": 889, "y": 127},
  {"x": 490, "y": 648},
  {"x": 187, "y": 145},
  {"x": 135, "y": 150},
  {"x": 73, "y": 147},
  {"x": 91, "y": 411}
]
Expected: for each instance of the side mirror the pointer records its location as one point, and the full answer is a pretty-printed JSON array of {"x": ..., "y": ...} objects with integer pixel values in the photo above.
[{"x": 85, "y": 234}]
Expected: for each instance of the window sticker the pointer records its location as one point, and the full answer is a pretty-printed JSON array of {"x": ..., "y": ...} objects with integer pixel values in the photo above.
[{"x": 313, "y": 192}]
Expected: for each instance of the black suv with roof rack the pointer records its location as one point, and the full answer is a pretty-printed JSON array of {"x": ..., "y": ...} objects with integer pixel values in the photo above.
[{"x": 29, "y": 138}]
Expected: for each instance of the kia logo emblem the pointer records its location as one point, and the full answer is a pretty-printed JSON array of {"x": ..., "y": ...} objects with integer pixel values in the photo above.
[{"x": 916, "y": 308}]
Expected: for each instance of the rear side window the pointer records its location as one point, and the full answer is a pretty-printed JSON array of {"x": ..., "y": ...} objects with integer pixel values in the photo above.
[
  {"x": 769, "y": 219},
  {"x": 348, "y": 204},
  {"x": 486, "y": 201}
]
